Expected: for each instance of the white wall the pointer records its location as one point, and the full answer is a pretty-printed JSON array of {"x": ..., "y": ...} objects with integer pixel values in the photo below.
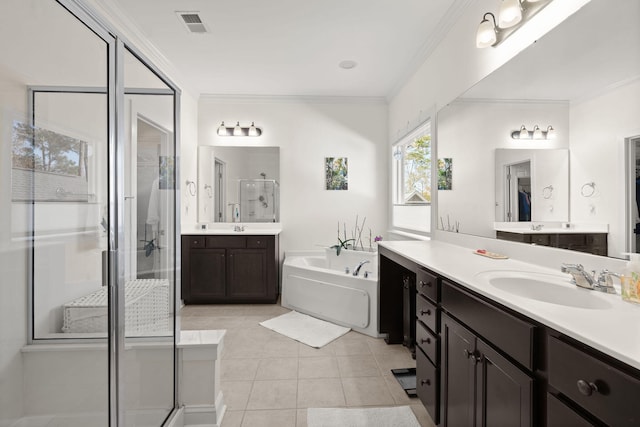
[
  {"x": 469, "y": 132},
  {"x": 307, "y": 131},
  {"x": 599, "y": 126}
]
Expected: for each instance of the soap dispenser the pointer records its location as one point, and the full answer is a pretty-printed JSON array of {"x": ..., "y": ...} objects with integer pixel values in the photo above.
[{"x": 630, "y": 281}]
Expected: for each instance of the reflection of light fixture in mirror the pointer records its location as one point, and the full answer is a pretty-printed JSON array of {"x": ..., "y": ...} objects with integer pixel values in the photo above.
[
  {"x": 239, "y": 130},
  {"x": 512, "y": 15},
  {"x": 397, "y": 153},
  {"x": 536, "y": 133},
  {"x": 486, "y": 35}
]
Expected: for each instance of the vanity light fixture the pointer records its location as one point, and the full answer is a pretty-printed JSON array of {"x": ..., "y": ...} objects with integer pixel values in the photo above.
[
  {"x": 512, "y": 15},
  {"x": 239, "y": 130},
  {"x": 536, "y": 133}
]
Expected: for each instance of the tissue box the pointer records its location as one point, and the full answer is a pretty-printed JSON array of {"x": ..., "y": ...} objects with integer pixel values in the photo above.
[{"x": 631, "y": 288}]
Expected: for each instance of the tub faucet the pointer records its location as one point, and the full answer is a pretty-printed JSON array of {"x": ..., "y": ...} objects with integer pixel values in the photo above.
[{"x": 356, "y": 270}]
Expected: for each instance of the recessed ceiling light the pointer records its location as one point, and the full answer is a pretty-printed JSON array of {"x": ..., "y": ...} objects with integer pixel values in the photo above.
[{"x": 348, "y": 64}]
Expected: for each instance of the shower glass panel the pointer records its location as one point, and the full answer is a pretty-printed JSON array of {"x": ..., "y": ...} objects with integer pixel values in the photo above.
[
  {"x": 54, "y": 133},
  {"x": 259, "y": 199},
  {"x": 150, "y": 233}
]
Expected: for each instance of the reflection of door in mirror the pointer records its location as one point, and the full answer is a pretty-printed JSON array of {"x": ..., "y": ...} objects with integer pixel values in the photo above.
[
  {"x": 633, "y": 193},
  {"x": 518, "y": 183},
  {"x": 219, "y": 179}
]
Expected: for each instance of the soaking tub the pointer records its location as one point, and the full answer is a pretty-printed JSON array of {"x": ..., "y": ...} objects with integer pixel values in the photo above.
[{"x": 316, "y": 283}]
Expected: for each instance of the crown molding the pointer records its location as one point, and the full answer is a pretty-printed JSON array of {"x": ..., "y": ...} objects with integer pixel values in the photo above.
[{"x": 306, "y": 99}]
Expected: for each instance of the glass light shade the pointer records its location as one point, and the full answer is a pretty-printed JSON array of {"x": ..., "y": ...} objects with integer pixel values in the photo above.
[
  {"x": 524, "y": 133},
  {"x": 537, "y": 133},
  {"x": 252, "y": 130},
  {"x": 237, "y": 131},
  {"x": 551, "y": 132},
  {"x": 486, "y": 35},
  {"x": 222, "y": 130},
  {"x": 510, "y": 13},
  {"x": 397, "y": 154}
]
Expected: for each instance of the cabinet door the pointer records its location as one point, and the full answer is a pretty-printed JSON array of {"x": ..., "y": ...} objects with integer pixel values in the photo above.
[
  {"x": 206, "y": 275},
  {"x": 458, "y": 376},
  {"x": 247, "y": 274},
  {"x": 504, "y": 392}
]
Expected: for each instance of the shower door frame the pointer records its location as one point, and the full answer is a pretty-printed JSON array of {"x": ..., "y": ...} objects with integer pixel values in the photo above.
[{"x": 117, "y": 45}]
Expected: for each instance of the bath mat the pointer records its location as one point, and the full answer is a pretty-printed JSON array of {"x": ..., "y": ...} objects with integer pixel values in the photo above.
[
  {"x": 399, "y": 416},
  {"x": 407, "y": 379},
  {"x": 306, "y": 329}
]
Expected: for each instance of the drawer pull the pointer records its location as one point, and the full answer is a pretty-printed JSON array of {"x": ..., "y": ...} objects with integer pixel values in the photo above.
[
  {"x": 423, "y": 284},
  {"x": 428, "y": 341},
  {"x": 472, "y": 356},
  {"x": 423, "y": 312},
  {"x": 586, "y": 388},
  {"x": 425, "y": 382}
]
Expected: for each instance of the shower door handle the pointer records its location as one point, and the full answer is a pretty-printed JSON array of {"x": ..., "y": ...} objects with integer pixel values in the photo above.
[{"x": 105, "y": 268}]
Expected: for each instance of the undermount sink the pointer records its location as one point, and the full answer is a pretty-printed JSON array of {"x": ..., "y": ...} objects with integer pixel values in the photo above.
[{"x": 546, "y": 288}]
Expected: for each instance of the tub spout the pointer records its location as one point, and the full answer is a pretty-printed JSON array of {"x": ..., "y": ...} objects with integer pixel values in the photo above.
[{"x": 356, "y": 270}]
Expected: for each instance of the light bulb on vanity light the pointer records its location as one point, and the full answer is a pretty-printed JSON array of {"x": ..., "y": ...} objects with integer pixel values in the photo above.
[
  {"x": 237, "y": 131},
  {"x": 486, "y": 35},
  {"x": 510, "y": 13},
  {"x": 537, "y": 133},
  {"x": 252, "y": 130},
  {"x": 551, "y": 132},
  {"x": 222, "y": 130},
  {"x": 524, "y": 133}
]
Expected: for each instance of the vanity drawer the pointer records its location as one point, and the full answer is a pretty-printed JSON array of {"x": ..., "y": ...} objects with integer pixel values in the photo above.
[
  {"x": 257, "y": 241},
  {"x": 226, "y": 242},
  {"x": 601, "y": 389},
  {"x": 427, "y": 385},
  {"x": 196, "y": 241},
  {"x": 507, "y": 332},
  {"x": 427, "y": 284},
  {"x": 428, "y": 342},
  {"x": 427, "y": 313},
  {"x": 560, "y": 415}
]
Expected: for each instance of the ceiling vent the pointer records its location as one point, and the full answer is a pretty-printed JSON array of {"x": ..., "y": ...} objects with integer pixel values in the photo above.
[{"x": 192, "y": 22}]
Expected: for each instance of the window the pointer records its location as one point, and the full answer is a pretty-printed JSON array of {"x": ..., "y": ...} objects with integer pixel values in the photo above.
[{"x": 412, "y": 180}]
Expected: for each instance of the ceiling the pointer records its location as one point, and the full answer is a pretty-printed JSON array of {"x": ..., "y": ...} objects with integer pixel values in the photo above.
[{"x": 292, "y": 47}]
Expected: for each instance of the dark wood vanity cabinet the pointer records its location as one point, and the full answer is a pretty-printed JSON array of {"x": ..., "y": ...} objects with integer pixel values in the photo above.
[
  {"x": 229, "y": 269},
  {"x": 481, "y": 385},
  {"x": 479, "y": 363},
  {"x": 593, "y": 243}
]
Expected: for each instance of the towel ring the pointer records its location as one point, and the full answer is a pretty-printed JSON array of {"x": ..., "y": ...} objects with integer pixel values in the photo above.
[
  {"x": 588, "y": 189},
  {"x": 547, "y": 191},
  {"x": 191, "y": 187}
]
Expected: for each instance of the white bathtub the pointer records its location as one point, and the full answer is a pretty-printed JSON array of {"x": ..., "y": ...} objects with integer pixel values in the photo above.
[{"x": 315, "y": 283}]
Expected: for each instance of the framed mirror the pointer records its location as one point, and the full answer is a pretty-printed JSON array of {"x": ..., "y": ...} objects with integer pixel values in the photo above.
[
  {"x": 238, "y": 184},
  {"x": 583, "y": 79}
]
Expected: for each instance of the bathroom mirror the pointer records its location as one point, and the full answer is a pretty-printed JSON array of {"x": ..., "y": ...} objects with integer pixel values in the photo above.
[
  {"x": 238, "y": 184},
  {"x": 582, "y": 78}
]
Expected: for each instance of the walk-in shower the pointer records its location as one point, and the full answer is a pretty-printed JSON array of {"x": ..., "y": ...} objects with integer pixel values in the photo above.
[{"x": 88, "y": 154}]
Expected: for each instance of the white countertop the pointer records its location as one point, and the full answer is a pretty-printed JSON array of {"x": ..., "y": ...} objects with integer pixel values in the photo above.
[
  {"x": 549, "y": 227},
  {"x": 270, "y": 229},
  {"x": 614, "y": 331}
]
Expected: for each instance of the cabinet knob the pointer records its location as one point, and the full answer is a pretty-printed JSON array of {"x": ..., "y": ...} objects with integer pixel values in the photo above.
[
  {"x": 428, "y": 341},
  {"x": 586, "y": 388},
  {"x": 472, "y": 356},
  {"x": 423, "y": 284},
  {"x": 427, "y": 312},
  {"x": 425, "y": 382}
]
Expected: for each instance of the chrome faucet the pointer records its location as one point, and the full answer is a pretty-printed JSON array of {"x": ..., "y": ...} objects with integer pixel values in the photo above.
[
  {"x": 356, "y": 270},
  {"x": 587, "y": 280}
]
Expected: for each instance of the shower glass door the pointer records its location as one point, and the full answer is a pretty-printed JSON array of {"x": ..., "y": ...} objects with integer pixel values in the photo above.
[{"x": 86, "y": 330}]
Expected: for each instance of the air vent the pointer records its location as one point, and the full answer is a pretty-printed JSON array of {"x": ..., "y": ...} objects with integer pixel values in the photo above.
[{"x": 192, "y": 22}]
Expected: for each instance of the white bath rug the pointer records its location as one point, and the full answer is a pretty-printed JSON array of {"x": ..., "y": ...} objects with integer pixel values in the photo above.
[
  {"x": 399, "y": 416},
  {"x": 306, "y": 329}
]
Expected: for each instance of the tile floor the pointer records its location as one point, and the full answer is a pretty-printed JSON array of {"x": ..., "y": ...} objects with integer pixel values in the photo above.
[{"x": 270, "y": 380}]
